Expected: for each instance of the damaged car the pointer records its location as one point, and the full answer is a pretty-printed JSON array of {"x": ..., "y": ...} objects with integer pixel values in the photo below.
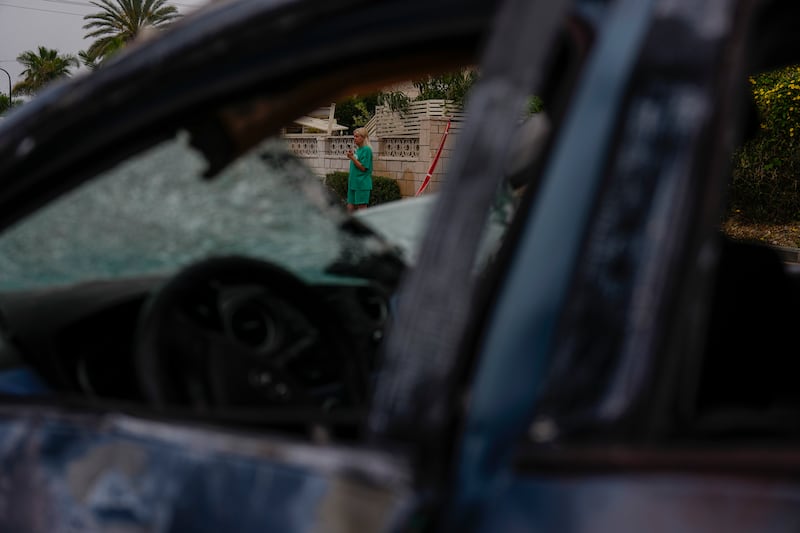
[{"x": 196, "y": 336}]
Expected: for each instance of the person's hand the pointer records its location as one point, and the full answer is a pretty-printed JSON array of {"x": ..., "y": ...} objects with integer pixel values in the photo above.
[{"x": 350, "y": 154}]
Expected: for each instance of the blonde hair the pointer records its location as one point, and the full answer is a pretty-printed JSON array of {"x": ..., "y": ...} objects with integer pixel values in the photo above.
[{"x": 365, "y": 133}]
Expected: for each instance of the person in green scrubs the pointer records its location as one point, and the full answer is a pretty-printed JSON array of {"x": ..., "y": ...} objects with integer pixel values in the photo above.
[{"x": 359, "y": 183}]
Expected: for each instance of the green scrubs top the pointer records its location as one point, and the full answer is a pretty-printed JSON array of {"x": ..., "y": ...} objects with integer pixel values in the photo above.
[{"x": 358, "y": 180}]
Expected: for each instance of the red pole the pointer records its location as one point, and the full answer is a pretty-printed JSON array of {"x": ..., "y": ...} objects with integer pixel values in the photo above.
[{"x": 427, "y": 179}]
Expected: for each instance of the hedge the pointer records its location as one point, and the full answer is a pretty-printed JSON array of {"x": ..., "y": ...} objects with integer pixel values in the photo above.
[
  {"x": 766, "y": 173},
  {"x": 383, "y": 189}
]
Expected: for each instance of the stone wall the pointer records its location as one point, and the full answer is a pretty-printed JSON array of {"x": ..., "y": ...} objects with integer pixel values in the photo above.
[{"x": 403, "y": 158}]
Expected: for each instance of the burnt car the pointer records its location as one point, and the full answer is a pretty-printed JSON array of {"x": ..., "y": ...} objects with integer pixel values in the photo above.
[{"x": 196, "y": 337}]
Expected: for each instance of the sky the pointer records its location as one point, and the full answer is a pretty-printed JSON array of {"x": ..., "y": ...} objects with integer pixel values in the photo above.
[{"x": 28, "y": 24}]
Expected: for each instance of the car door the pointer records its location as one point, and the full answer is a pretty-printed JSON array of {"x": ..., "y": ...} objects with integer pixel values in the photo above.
[
  {"x": 87, "y": 470},
  {"x": 587, "y": 410}
]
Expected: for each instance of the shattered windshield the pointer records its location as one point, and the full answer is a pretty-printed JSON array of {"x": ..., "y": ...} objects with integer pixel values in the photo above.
[{"x": 155, "y": 213}]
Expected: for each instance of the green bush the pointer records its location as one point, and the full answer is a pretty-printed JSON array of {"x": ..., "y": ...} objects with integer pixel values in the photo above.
[
  {"x": 383, "y": 189},
  {"x": 337, "y": 182},
  {"x": 7, "y": 104},
  {"x": 766, "y": 174}
]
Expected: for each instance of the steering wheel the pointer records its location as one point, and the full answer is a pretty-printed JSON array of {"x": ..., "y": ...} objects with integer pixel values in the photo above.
[{"x": 237, "y": 331}]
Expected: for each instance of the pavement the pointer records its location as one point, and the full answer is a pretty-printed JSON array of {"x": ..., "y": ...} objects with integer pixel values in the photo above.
[{"x": 789, "y": 255}]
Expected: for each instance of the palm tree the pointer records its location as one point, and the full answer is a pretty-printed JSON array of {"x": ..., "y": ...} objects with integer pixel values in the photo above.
[
  {"x": 42, "y": 67},
  {"x": 120, "y": 21},
  {"x": 93, "y": 62},
  {"x": 89, "y": 62}
]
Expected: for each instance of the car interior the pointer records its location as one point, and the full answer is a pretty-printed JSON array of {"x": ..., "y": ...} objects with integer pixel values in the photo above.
[{"x": 230, "y": 323}]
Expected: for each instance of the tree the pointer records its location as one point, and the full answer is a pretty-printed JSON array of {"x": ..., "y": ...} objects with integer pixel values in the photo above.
[
  {"x": 356, "y": 110},
  {"x": 42, "y": 67},
  {"x": 120, "y": 21},
  {"x": 453, "y": 86},
  {"x": 89, "y": 62},
  {"x": 93, "y": 62}
]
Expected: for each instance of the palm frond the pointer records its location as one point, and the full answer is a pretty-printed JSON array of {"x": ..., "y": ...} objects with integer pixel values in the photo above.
[{"x": 124, "y": 20}]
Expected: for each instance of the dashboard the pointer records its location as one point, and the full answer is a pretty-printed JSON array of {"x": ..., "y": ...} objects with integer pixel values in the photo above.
[{"x": 84, "y": 339}]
